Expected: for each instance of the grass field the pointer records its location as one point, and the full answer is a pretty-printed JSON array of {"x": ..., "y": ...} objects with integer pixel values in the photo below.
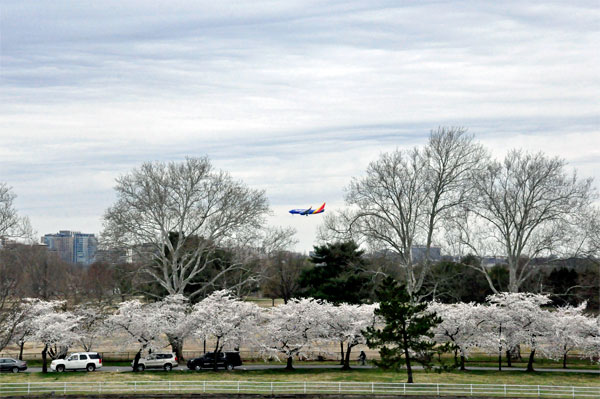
[
  {"x": 484, "y": 361},
  {"x": 370, "y": 375}
]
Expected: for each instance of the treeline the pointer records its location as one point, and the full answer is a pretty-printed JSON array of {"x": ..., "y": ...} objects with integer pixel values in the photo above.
[
  {"x": 405, "y": 331},
  {"x": 350, "y": 275}
]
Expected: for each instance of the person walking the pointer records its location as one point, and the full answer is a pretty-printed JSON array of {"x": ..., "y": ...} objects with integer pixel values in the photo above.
[{"x": 362, "y": 357}]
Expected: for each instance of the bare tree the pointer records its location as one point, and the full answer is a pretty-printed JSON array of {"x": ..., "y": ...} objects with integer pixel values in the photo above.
[
  {"x": 527, "y": 208},
  {"x": 11, "y": 224},
  {"x": 201, "y": 208},
  {"x": 404, "y": 197},
  {"x": 283, "y": 274}
]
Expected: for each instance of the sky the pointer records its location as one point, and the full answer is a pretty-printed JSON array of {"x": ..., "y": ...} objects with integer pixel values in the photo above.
[{"x": 293, "y": 97}]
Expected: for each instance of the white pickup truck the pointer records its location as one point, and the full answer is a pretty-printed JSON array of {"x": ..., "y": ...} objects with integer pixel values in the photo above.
[{"x": 89, "y": 361}]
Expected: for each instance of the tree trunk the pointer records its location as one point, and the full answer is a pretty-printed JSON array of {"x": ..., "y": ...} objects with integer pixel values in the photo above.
[
  {"x": 508, "y": 359},
  {"x": 44, "y": 355},
  {"x": 136, "y": 360},
  {"x": 346, "y": 365},
  {"x": 565, "y": 361},
  {"x": 530, "y": 362},
  {"x": 177, "y": 347},
  {"x": 500, "y": 348},
  {"x": 342, "y": 353},
  {"x": 407, "y": 355},
  {"x": 462, "y": 363},
  {"x": 289, "y": 365},
  {"x": 216, "y": 352},
  {"x": 455, "y": 357},
  {"x": 21, "y": 345}
]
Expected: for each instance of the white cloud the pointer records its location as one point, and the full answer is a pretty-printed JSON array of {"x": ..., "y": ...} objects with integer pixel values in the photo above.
[{"x": 292, "y": 97}]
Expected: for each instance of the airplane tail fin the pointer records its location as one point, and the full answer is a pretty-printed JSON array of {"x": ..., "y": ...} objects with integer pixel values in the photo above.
[{"x": 321, "y": 209}]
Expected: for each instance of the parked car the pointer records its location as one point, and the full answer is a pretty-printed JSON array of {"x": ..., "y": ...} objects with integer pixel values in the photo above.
[
  {"x": 165, "y": 361},
  {"x": 227, "y": 360},
  {"x": 13, "y": 365},
  {"x": 89, "y": 361}
]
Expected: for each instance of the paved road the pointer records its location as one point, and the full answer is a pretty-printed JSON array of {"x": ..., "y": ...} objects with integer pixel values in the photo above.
[{"x": 269, "y": 367}]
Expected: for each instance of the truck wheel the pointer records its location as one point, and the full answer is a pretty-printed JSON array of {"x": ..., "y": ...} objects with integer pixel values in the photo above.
[
  {"x": 229, "y": 367},
  {"x": 197, "y": 367},
  {"x": 60, "y": 368},
  {"x": 168, "y": 367},
  {"x": 90, "y": 367},
  {"x": 140, "y": 367},
  {"x": 15, "y": 370}
]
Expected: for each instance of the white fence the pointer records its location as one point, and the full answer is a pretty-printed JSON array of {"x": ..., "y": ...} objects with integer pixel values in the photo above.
[{"x": 367, "y": 388}]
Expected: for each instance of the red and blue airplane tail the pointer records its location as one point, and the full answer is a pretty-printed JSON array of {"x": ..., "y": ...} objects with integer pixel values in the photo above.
[{"x": 320, "y": 210}]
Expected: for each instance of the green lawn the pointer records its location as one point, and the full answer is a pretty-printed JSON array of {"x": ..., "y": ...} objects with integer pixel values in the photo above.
[{"x": 370, "y": 375}]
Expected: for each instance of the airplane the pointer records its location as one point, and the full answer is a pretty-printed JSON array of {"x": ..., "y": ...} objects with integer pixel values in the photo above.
[{"x": 308, "y": 211}]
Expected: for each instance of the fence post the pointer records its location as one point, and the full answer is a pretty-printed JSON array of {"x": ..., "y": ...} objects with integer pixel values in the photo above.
[
  {"x": 304, "y": 386},
  {"x": 65, "y": 388},
  {"x": 238, "y": 387},
  {"x": 169, "y": 386},
  {"x": 538, "y": 391},
  {"x": 573, "y": 392},
  {"x": 271, "y": 388},
  {"x": 404, "y": 388},
  {"x": 203, "y": 386},
  {"x": 340, "y": 387},
  {"x": 438, "y": 389},
  {"x": 134, "y": 386},
  {"x": 504, "y": 389},
  {"x": 471, "y": 389},
  {"x": 29, "y": 388},
  {"x": 372, "y": 387}
]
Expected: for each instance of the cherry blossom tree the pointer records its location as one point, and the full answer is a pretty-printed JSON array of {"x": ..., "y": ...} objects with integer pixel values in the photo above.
[
  {"x": 527, "y": 322},
  {"x": 11, "y": 316},
  {"x": 345, "y": 323},
  {"x": 289, "y": 328},
  {"x": 497, "y": 332},
  {"x": 141, "y": 325},
  {"x": 568, "y": 330},
  {"x": 91, "y": 325},
  {"x": 460, "y": 326},
  {"x": 24, "y": 330},
  {"x": 176, "y": 322},
  {"x": 55, "y": 329},
  {"x": 225, "y": 318},
  {"x": 591, "y": 344}
]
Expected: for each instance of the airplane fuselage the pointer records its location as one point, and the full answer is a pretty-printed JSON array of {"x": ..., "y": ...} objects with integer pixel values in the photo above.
[{"x": 308, "y": 211}]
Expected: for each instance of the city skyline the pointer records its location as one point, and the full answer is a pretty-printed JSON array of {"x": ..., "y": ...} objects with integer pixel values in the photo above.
[{"x": 293, "y": 98}]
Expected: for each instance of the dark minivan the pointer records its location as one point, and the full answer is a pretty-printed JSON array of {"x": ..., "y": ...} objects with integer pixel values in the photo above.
[
  {"x": 13, "y": 365},
  {"x": 226, "y": 360}
]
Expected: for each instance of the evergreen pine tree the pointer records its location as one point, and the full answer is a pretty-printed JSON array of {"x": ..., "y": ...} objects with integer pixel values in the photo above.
[{"x": 408, "y": 331}]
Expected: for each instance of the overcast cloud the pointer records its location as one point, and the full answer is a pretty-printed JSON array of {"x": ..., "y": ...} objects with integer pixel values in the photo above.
[{"x": 292, "y": 97}]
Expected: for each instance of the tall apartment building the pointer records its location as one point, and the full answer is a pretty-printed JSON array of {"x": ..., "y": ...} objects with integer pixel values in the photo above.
[{"x": 72, "y": 246}]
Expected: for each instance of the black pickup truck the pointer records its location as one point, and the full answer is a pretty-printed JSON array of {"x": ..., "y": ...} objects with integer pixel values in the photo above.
[{"x": 226, "y": 360}]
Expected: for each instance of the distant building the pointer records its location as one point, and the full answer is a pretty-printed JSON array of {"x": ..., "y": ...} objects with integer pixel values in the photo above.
[
  {"x": 72, "y": 246},
  {"x": 418, "y": 253},
  {"x": 491, "y": 261},
  {"x": 5, "y": 242}
]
